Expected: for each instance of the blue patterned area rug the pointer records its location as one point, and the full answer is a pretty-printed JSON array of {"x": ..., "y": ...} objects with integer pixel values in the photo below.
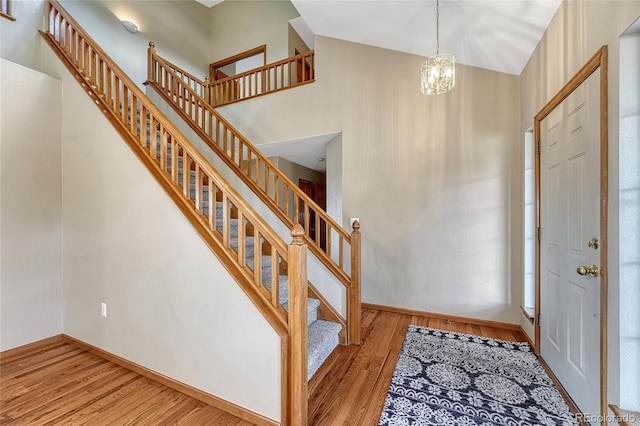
[{"x": 447, "y": 378}]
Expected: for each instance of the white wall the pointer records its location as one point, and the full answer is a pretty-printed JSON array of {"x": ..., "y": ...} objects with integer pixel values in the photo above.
[
  {"x": 577, "y": 31},
  {"x": 178, "y": 28},
  {"x": 30, "y": 206},
  {"x": 172, "y": 306},
  {"x": 19, "y": 39},
  {"x": 429, "y": 177},
  {"x": 239, "y": 25}
]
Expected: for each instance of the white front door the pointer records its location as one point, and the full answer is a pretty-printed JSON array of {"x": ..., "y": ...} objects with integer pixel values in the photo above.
[{"x": 570, "y": 227}]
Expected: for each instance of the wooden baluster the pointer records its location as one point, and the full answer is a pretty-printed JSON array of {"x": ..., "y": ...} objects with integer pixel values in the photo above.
[
  {"x": 211, "y": 119},
  {"x": 275, "y": 278},
  {"x": 144, "y": 123},
  {"x": 125, "y": 103},
  {"x": 317, "y": 236},
  {"x": 174, "y": 160},
  {"x": 163, "y": 149},
  {"x": 285, "y": 207},
  {"x": 199, "y": 191},
  {"x": 354, "y": 303},
  {"x": 296, "y": 208},
  {"x": 298, "y": 330},
  {"x": 328, "y": 231},
  {"x": 249, "y": 168},
  {"x": 276, "y": 189},
  {"x": 307, "y": 227},
  {"x": 241, "y": 239},
  {"x": 257, "y": 259},
  {"x": 258, "y": 174},
  {"x": 109, "y": 89},
  {"x": 282, "y": 68},
  {"x": 233, "y": 147},
  {"x": 133, "y": 114},
  {"x": 341, "y": 252},
  {"x": 186, "y": 175},
  {"x": 213, "y": 192},
  {"x": 224, "y": 140},
  {"x": 226, "y": 220}
]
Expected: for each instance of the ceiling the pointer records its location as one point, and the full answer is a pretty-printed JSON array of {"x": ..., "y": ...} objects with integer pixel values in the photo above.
[
  {"x": 309, "y": 151},
  {"x": 498, "y": 35}
]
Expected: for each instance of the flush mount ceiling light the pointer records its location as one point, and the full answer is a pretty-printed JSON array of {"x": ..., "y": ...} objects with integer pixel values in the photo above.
[
  {"x": 130, "y": 26},
  {"x": 439, "y": 71}
]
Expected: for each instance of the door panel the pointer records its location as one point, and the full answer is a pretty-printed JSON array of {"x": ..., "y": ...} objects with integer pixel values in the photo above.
[{"x": 570, "y": 218}]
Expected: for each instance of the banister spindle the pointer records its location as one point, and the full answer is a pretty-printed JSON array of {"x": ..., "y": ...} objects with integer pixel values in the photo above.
[
  {"x": 353, "y": 308},
  {"x": 298, "y": 332}
]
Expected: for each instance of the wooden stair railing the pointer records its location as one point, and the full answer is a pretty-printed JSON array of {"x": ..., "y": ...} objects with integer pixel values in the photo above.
[
  {"x": 174, "y": 162},
  {"x": 285, "y": 74},
  {"x": 338, "y": 250},
  {"x": 290, "y": 72}
]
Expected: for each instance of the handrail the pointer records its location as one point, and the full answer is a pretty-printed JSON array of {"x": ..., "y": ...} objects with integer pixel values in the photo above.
[
  {"x": 286, "y": 73},
  {"x": 163, "y": 150},
  {"x": 199, "y": 86},
  {"x": 324, "y": 236}
]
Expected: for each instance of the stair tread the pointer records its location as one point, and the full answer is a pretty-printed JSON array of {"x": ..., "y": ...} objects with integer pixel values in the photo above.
[{"x": 323, "y": 339}]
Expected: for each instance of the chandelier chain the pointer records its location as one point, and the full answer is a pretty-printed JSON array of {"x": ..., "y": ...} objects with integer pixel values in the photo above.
[{"x": 437, "y": 27}]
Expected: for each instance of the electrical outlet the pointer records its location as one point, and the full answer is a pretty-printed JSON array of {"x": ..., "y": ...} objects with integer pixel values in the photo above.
[
  {"x": 353, "y": 219},
  {"x": 103, "y": 309}
]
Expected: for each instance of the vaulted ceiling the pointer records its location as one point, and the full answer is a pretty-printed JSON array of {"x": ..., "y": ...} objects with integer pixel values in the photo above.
[{"x": 498, "y": 35}]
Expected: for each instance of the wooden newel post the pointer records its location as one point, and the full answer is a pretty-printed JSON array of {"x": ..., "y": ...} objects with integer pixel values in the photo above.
[
  {"x": 206, "y": 89},
  {"x": 354, "y": 306},
  {"x": 298, "y": 331},
  {"x": 151, "y": 51}
]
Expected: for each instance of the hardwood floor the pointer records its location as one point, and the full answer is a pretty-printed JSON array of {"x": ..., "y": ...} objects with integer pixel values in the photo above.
[
  {"x": 66, "y": 385},
  {"x": 350, "y": 388}
]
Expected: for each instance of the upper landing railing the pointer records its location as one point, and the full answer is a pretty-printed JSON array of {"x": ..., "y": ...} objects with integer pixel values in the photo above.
[{"x": 285, "y": 74}]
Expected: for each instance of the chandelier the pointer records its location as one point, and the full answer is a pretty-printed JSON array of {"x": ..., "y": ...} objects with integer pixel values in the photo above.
[{"x": 439, "y": 71}]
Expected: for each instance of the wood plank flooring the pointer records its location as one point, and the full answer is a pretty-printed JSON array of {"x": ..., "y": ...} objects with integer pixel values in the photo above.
[
  {"x": 65, "y": 385},
  {"x": 350, "y": 388}
]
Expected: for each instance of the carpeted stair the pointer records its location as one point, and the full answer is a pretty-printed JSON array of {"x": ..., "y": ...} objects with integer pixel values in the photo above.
[{"x": 323, "y": 335}]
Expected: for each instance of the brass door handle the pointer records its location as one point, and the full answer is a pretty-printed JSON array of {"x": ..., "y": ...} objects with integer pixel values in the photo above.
[{"x": 585, "y": 270}]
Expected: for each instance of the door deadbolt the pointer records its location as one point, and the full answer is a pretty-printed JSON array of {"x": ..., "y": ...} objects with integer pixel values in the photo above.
[
  {"x": 594, "y": 243},
  {"x": 585, "y": 270}
]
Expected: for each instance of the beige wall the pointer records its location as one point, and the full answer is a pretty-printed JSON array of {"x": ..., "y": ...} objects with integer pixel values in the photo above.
[
  {"x": 577, "y": 31},
  {"x": 295, "y": 171},
  {"x": 30, "y": 206},
  {"x": 295, "y": 42},
  {"x": 429, "y": 177},
  {"x": 178, "y": 28},
  {"x": 19, "y": 39},
  {"x": 171, "y": 304},
  {"x": 239, "y": 25}
]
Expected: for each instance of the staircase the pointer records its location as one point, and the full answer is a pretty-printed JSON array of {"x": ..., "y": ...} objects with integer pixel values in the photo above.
[
  {"x": 333, "y": 246},
  {"x": 323, "y": 335},
  {"x": 271, "y": 273}
]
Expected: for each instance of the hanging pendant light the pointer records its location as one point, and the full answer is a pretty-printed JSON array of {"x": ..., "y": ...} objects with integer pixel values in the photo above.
[{"x": 439, "y": 71}]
